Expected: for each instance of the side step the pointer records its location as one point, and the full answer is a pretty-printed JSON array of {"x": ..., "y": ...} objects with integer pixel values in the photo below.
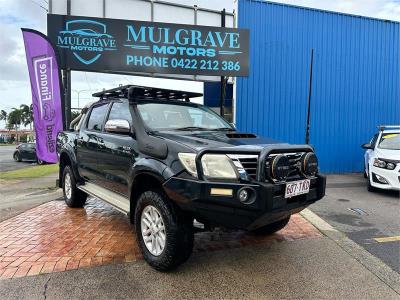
[{"x": 115, "y": 199}]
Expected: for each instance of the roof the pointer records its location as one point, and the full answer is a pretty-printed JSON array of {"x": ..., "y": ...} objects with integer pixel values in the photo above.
[
  {"x": 146, "y": 93},
  {"x": 327, "y": 11},
  {"x": 389, "y": 128}
]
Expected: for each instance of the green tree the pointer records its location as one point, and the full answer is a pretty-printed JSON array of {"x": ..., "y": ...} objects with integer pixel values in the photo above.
[
  {"x": 15, "y": 120},
  {"x": 27, "y": 115},
  {"x": 3, "y": 116}
]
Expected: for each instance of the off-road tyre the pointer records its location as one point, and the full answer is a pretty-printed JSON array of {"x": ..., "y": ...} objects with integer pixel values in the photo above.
[
  {"x": 178, "y": 228},
  {"x": 73, "y": 196},
  {"x": 272, "y": 228}
]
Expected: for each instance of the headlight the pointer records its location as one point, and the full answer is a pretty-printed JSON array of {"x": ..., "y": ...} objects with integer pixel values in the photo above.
[
  {"x": 214, "y": 165},
  {"x": 218, "y": 166},
  {"x": 383, "y": 164}
]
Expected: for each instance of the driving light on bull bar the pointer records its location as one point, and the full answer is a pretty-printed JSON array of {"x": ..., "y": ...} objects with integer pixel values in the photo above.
[{"x": 218, "y": 166}]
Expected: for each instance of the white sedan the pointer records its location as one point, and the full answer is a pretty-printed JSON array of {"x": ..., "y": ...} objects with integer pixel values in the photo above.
[{"x": 382, "y": 159}]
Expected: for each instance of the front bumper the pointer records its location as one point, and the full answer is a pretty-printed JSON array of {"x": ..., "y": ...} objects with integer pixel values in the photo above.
[
  {"x": 392, "y": 177},
  {"x": 269, "y": 205}
]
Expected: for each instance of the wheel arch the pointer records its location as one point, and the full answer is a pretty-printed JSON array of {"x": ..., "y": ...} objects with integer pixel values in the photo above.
[
  {"x": 67, "y": 159},
  {"x": 143, "y": 181}
]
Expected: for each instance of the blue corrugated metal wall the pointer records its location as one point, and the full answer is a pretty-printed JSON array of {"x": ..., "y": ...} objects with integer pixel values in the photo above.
[{"x": 356, "y": 80}]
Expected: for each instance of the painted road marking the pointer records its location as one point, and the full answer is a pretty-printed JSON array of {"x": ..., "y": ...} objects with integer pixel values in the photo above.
[{"x": 388, "y": 239}]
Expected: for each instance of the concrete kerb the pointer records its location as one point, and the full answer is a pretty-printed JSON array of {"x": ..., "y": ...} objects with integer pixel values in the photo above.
[{"x": 370, "y": 262}]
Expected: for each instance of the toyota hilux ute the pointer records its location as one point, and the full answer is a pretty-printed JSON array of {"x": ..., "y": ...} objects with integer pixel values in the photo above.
[{"x": 170, "y": 163}]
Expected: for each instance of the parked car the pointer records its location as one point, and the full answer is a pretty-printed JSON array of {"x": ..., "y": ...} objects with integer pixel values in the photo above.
[
  {"x": 382, "y": 159},
  {"x": 166, "y": 162},
  {"x": 26, "y": 151}
]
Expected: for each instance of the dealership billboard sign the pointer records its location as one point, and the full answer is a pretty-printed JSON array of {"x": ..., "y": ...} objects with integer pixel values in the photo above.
[{"x": 126, "y": 46}]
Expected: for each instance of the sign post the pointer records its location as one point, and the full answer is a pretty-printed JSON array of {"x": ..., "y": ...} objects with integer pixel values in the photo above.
[{"x": 223, "y": 81}]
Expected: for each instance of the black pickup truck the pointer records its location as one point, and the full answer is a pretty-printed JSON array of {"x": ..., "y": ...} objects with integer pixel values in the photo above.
[{"x": 167, "y": 162}]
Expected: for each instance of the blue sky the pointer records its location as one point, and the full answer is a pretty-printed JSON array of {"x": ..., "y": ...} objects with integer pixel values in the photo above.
[{"x": 14, "y": 14}]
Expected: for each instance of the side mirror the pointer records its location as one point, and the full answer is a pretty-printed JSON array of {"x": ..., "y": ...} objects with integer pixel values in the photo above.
[
  {"x": 367, "y": 146},
  {"x": 118, "y": 126}
]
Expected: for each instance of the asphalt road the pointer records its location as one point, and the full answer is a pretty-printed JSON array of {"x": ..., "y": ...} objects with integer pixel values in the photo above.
[
  {"x": 379, "y": 215},
  {"x": 7, "y": 162}
]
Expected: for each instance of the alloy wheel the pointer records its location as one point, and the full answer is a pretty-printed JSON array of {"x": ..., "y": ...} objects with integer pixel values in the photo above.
[
  {"x": 153, "y": 230},
  {"x": 68, "y": 186}
]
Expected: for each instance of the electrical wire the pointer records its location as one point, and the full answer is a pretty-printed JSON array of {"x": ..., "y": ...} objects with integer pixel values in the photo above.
[{"x": 40, "y": 5}]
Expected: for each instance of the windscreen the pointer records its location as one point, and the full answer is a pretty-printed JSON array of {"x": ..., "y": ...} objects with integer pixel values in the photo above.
[
  {"x": 390, "y": 141},
  {"x": 171, "y": 116}
]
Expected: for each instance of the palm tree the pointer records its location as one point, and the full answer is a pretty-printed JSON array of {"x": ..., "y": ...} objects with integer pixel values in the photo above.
[
  {"x": 3, "y": 116},
  {"x": 15, "y": 120},
  {"x": 27, "y": 115}
]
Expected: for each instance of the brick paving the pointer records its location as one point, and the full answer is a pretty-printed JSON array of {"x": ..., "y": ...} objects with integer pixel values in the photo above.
[{"x": 54, "y": 238}]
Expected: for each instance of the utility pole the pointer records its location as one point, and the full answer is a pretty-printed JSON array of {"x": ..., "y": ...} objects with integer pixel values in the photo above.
[{"x": 79, "y": 92}]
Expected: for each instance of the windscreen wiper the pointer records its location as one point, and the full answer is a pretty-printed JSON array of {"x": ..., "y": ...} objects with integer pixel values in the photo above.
[
  {"x": 191, "y": 128},
  {"x": 222, "y": 129}
]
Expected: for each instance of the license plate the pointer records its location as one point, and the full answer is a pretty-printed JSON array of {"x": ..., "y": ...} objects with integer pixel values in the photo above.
[{"x": 297, "y": 188}]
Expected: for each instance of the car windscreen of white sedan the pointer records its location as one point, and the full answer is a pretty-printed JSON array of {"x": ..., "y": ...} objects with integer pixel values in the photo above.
[{"x": 382, "y": 159}]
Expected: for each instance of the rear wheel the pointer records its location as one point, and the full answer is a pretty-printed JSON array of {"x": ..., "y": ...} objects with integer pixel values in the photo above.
[
  {"x": 73, "y": 196},
  {"x": 272, "y": 228},
  {"x": 39, "y": 161},
  {"x": 165, "y": 235}
]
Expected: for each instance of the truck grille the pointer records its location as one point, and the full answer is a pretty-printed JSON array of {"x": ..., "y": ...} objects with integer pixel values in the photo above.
[{"x": 249, "y": 163}]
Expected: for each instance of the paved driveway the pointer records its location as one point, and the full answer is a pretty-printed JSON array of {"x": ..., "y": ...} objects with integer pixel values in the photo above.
[{"x": 53, "y": 238}]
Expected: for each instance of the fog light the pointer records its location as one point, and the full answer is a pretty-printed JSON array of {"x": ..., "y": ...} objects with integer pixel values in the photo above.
[
  {"x": 243, "y": 195},
  {"x": 381, "y": 179},
  {"x": 246, "y": 195}
]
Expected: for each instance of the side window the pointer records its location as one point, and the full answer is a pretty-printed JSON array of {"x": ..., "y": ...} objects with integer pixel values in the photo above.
[
  {"x": 120, "y": 110},
  {"x": 96, "y": 117}
]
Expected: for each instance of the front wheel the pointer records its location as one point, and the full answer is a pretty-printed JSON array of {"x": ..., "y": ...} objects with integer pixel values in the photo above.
[
  {"x": 17, "y": 157},
  {"x": 73, "y": 196},
  {"x": 272, "y": 228},
  {"x": 370, "y": 188},
  {"x": 39, "y": 161},
  {"x": 165, "y": 235}
]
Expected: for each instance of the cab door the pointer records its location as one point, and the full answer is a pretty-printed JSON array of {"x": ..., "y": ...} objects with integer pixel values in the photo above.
[
  {"x": 117, "y": 151},
  {"x": 88, "y": 140}
]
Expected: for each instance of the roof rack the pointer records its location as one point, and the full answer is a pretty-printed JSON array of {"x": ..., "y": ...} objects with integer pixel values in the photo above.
[
  {"x": 383, "y": 127},
  {"x": 136, "y": 92}
]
